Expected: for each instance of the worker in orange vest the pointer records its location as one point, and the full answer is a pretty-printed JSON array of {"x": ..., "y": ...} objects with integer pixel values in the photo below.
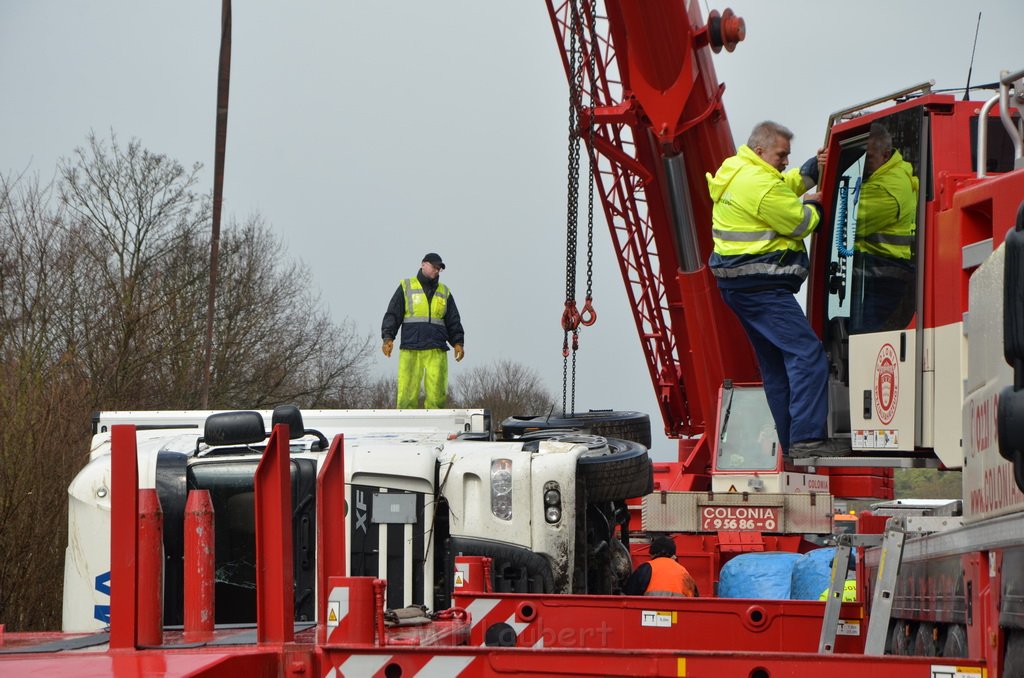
[{"x": 662, "y": 576}]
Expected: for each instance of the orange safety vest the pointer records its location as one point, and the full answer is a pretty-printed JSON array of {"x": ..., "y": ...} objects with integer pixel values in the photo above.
[{"x": 669, "y": 578}]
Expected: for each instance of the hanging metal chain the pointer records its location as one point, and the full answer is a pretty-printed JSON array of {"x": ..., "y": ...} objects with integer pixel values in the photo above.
[
  {"x": 582, "y": 23},
  {"x": 588, "y": 316},
  {"x": 570, "y": 315}
]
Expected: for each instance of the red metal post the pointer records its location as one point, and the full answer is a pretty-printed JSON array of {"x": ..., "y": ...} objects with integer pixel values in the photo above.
[
  {"x": 275, "y": 582},
  {"x": 199, "y": 565},
  {"x": 330, "y": 524},
  {"x": 124, "y": 510},
  {"x": 150, "y": 625}
]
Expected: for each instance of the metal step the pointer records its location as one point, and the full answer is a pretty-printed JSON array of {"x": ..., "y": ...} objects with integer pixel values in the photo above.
[{"x": 862, "y": 461}]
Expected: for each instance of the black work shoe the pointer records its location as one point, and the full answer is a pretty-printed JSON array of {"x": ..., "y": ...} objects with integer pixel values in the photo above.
[{"x": 833, "y": 447}]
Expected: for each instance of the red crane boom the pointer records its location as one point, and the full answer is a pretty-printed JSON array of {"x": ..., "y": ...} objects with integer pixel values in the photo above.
[{"x": 658, "y": 124}]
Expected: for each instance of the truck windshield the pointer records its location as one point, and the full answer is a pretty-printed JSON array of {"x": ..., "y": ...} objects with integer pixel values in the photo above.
[
  {"x": 747, "y": 441},
  {"x": 230, "y": 483}
]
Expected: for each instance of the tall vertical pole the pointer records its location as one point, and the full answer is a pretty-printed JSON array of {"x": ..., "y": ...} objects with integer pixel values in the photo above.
[{"x": 223, "y": 80}]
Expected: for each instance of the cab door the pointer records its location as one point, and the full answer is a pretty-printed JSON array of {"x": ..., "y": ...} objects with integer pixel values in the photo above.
[{"x": 873, "y": 281}]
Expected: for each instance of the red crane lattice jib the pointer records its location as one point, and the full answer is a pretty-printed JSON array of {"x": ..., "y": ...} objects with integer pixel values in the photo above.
[{"x": 655, "y": 105}]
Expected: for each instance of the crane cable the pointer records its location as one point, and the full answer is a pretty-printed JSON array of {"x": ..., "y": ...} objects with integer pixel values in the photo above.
[{"x": 572, "y": 318}]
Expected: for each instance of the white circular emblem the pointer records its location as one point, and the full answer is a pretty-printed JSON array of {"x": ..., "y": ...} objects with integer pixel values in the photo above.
[{"x": 887, "y": 384}]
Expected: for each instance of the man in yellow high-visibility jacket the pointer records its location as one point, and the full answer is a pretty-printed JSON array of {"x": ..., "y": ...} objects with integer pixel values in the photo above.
[
  {"x": 424, "y": 309},
  {"x": 759, "y": 262},
  {"x": 849, "y": 591}
]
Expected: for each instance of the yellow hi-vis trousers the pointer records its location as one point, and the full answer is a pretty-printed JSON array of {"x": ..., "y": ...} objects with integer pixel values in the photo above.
[{"x": 431, "y": 368}]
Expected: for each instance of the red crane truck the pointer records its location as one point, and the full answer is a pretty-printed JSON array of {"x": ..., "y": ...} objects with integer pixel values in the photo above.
[{"x": 654, "y": 106}]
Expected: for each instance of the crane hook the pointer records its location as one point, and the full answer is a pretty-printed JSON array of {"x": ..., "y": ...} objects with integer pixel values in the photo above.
[{"x": 588, "y": 316}]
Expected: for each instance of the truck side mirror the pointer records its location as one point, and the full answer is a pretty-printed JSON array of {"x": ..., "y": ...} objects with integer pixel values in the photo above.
[
  {"x": 1011, "y": 399},
  {"x": 1013, "y": 298}
]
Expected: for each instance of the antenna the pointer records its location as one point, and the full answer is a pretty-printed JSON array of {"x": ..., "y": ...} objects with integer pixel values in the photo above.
[{"x": 967, "y": 89}]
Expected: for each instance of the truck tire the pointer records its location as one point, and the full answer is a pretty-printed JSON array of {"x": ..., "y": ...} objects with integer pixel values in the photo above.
[
  {"x": 1013, "y": 662},
  {"x": 622, "y": 470},
  {"x": 901, "y": 638},
  {"x": 612, "y": 469},
  {"x": 924, "y": 644},
  {"x": 635, "y": 426},
  {"x": 955, "y": 644}
]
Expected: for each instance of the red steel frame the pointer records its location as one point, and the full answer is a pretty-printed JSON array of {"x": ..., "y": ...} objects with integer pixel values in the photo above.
[
  {"x": 747, "y": 637},
  {"x": 691, "y": 342}
]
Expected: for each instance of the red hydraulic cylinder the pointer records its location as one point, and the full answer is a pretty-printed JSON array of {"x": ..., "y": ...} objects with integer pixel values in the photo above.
[
  {"x": 352, "y": 610},
  {"x": 199, "y": 565},
  {"x": 150, "y": 627}
]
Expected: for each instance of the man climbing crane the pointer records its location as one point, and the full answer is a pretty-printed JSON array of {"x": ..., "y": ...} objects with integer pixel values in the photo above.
[{"x": 425, "y": 310}]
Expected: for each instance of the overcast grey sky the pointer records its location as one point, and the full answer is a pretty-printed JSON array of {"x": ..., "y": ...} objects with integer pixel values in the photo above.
[{"x": 369, "y": 133}]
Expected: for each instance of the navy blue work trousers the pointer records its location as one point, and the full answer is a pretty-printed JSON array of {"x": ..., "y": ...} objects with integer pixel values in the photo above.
[{"x": 793, "y": 363}]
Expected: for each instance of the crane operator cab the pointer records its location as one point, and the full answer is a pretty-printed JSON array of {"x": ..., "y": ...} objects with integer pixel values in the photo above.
[
  {"x": 887, "y": 286},
  {"x": 890, "y": 266},
  {"x": 872, "y": 284}
]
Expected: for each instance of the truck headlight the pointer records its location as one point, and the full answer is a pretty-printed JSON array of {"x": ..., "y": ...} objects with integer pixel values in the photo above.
[
  {"x": 501, "y": 488},
  {"x": 552, "y": 502}
]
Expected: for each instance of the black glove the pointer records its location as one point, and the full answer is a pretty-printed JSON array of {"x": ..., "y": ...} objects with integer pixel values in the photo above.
[
  {"x": 810, "y": 169},
  {"x": 816, "y": 205}
]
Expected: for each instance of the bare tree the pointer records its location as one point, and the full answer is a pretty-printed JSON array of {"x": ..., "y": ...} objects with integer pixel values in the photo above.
[
  {"x": 272, "y": 341},
  {"x": 141, "y": 321},
  {"x": 366, "y": 392},
  {"x": 139, "y": 211},
  {"x": 102, "y": 306},
  {"x": 44, "y": 404},
  {"x": 505, "y": 388}
]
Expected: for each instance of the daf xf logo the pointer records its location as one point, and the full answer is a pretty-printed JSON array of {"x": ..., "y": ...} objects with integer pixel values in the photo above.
[{"x": 360, "y": 511}]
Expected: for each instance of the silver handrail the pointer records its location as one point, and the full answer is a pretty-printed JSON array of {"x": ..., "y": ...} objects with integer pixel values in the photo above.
[
  {"x": 1006, "y": 80},
  {"x": 982, "y": 154},
  {"x": 920, "y": 88}
]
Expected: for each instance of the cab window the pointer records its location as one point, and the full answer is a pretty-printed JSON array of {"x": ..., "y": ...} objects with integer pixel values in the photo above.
[{"x": 872, "y": 274}]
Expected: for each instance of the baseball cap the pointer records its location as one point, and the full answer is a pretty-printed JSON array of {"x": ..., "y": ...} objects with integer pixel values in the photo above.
[{"x": 434, "y": 258}]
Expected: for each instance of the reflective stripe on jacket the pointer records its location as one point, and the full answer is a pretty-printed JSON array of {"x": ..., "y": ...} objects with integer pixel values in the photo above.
[
  {"x": 669, "y": 578},
  {"x": 887, "y": 211},
  {"x": 423, "y": 326},
  {"x": 759, "y": 223}
]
